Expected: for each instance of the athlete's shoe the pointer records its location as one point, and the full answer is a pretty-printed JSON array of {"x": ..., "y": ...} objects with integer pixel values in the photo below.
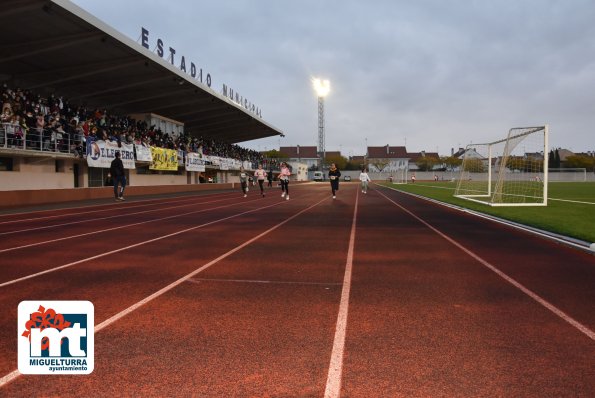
[
  {"x": 334, "y": 197},
  {"x": 283, "y": 195},
  {"x": 245, "y": 195},
  {"x": 287, "y": 198}
]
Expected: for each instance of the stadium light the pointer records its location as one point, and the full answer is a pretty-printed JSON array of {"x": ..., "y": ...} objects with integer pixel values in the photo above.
[{"x": 322, "y": 88}]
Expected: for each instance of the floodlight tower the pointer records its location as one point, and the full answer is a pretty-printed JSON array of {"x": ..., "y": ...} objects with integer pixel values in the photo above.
[{"x": 322, "y": 88}]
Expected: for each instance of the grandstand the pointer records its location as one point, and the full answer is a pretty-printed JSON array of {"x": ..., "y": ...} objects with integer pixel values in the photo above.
[{"x": 57, "y": 103}]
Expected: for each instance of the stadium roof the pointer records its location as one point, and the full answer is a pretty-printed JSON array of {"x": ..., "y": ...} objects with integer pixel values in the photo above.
[{"x": 56, "y": 47}]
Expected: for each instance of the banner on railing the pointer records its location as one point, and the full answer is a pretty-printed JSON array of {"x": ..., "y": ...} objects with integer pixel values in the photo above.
[
  {"x": 164, "y": 159},
  {"x": 194, "y": 162},
  {"x": 101, "y": 153},
  {"x": 143, "y": 153}
]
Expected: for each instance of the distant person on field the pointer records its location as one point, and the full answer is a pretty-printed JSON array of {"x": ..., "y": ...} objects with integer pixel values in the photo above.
[
  {"x": 364, "y": 178},
  {"x": 413, "y": 179},
  {"x": 334, "y": 174},
  {"x": 118, "y": 176}
]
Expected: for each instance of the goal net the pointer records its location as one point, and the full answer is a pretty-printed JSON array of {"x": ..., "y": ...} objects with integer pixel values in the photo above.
[
  {"x": 567, "y": 174},
  {"x": 400, "y": 176},
  {"x": 507, "y": 172}
]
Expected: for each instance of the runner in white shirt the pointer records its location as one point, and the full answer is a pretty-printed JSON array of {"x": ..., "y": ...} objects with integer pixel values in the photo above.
[{"x": 364, "y": 178}]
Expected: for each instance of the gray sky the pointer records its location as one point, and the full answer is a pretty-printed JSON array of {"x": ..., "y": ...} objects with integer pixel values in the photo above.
[{"x": 434, "y": 74}]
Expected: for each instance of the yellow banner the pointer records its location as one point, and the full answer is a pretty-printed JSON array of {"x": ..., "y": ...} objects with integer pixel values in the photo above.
[{"x": 164, "y": 159}]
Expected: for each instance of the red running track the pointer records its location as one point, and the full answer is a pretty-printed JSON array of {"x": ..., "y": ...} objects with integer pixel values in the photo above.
[{"x": 375, "y": 295}]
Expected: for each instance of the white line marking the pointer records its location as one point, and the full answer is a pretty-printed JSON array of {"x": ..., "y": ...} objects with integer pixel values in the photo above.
[
  {"x": 509, "y": 223},
  {"x": 561, "y": 314},
  {"x": 101, "y": 208},
  {"x": 200, "y": 280},
  {"x": 9, "y": 377},
  {"x": 335, "y": 371},
  {"x": 572, "y": 201},
  {"x": 108, "y": 217},
  {"x": 183, "y": 279},
  {"x": 131, "y": 246},
  {"x": 124, "y": 226},
  {"x": 15, "y": 373}
]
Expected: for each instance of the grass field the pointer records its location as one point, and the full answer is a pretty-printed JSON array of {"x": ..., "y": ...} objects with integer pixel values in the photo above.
[{"x": 576, "y": 220}]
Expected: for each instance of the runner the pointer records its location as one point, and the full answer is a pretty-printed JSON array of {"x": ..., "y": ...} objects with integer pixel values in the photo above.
[
  {"x": 118, "y": 176},
  {"x": 243, "y": 181},
  {"x": 284, "y": 180},
  {"x": 334, "y": 174},
  {"x": 364, "y": 178},
  {"x": 260, "y": 175}
]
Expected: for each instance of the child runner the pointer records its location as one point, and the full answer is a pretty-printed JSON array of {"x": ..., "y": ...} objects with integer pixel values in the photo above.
[
  {"x": 364, "y": 178},
  {"x": 284, "y": 179},
  {"x": 333, "y": 175},
  {"x": 243, "y": 180},
  {"x": 260, "y": 174}
]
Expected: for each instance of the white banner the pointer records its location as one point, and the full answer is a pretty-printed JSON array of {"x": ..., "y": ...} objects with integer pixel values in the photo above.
[
  {"x": 194, "y": 162},
  {"x": 101, "y": 153},
  {"x": 143, "y": 153}
]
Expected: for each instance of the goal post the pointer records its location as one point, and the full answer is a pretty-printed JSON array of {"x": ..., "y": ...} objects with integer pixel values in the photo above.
[
  {"x": 575, "y": 174},
  {"x": 400, "y": 176},
  {"x": 509, "y": 172}
]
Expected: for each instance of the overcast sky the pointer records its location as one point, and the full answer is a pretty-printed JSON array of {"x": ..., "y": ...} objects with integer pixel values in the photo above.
[{"x": 431, "y": 74}]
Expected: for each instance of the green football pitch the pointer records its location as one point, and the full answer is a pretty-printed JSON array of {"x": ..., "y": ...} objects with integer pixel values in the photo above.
[{"x": 570, "y": 210}]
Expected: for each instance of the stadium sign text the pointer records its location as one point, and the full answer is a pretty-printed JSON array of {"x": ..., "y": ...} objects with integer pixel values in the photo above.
[
  {"x": 197, "y": 74},
  {"x": 172, "y": 52}
]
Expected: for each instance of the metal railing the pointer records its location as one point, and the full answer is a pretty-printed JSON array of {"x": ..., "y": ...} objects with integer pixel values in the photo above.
[{"x": 35, "y": 139}]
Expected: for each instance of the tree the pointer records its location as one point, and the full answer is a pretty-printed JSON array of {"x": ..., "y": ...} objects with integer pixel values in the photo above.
[
  {"x": 380, "y": 164},
  {"x": 274, "y": 154},
  {"x": 475, "y": 166},
  {"x": 451, "y": 162},
  {"x": 557, "y": 159},
  {"x": 426, "y": 163},
  {"x": 580, "y": 161},
  {"x": 339, "y": 161}
]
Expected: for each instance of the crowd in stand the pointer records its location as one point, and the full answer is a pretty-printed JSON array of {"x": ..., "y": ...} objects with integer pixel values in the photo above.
[{"x": 53, "y": 124}]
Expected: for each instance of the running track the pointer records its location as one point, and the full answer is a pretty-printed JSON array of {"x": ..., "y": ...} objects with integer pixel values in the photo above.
[{"x": 377, "y": 295}]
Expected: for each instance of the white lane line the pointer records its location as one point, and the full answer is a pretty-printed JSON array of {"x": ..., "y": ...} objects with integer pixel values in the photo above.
[
  {"x": 9, "y": 377},
  {"x": 132, "y": 246},
  {"x": 335, "y": 371},
  {"x": 15, "y": 373},
  {"x": 183, "y": 279},
  {"x": 201, "y": 280},
  {"x": 123, "y": 226},
  {"x": 558, "y": 312},
  {"x": 105, "y": 207},
  {"x": 108, "y": 217}
]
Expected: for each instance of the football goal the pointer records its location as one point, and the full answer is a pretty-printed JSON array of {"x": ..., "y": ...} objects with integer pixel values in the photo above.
[
  {"x": 508, "y": 172},
  {"x": 400, "y": 176},
  {"x": 567, "y": 174}
]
